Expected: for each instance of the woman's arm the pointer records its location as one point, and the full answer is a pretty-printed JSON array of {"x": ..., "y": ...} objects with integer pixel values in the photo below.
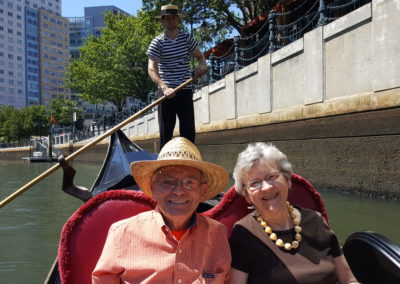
[
  {"x": 238, "y": 277},
  {"x": 343, "y": 271}
]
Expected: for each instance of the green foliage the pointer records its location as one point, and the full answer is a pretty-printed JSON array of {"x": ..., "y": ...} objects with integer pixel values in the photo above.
[
  {"x": 36, "y": 120},
  {"x": 62, "y": 110},
  {"x": 16, "y": 125},
  {"x": 113, "y": 67},
  {"x": 213, "y": 20}
]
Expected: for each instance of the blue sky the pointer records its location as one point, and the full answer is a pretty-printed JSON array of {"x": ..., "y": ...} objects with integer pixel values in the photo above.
[{"x": 75, "y": 8}]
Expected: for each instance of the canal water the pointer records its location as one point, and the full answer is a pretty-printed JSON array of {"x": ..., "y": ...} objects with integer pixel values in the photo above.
[{"x": 30, "y": 225}]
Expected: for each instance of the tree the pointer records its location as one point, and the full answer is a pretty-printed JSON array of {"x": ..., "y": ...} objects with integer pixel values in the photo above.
[
  {"x": 6, "y": 112},
  {"x": 36, "y": 120},
  {"x": 113, "y": 67},
  {"x": 62, "y": 110},
  {"x": 213, "y": 20},
  {"x": 16, "y": 125}
]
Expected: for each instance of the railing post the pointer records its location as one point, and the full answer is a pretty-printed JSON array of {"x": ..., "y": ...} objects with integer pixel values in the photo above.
[
  {"x": 272, "y": 28},
  {"x": 322, "y": 13},
  {"x": 236, "y": 51},
  {"x": 212, "y": 69}
]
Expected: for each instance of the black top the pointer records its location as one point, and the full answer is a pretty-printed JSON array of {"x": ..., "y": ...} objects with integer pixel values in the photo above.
[{"x": 254, "y": 253}]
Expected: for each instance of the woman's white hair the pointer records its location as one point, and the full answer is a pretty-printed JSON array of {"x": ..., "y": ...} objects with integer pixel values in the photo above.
[{"x": 259, "y": 153}]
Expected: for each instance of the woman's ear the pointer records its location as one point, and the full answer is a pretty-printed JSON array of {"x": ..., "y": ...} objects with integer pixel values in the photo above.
[{"x": 247, "y": 197}]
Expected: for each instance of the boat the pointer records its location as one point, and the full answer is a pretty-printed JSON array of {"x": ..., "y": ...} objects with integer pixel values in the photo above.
[{"x": 115, "y": 196}]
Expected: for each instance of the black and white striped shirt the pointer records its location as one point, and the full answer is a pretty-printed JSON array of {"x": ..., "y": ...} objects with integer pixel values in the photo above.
[{"x": 174, "y": 56}]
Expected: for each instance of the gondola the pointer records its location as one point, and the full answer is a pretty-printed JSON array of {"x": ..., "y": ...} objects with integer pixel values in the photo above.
[{"x": 115, "y": 196}]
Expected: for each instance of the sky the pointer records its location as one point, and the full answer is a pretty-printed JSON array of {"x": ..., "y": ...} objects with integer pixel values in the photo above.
[{"x": 75, "y": 8}]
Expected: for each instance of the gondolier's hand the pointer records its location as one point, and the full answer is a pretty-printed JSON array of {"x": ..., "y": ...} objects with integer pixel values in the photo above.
[{"x": 168, "y": 92}]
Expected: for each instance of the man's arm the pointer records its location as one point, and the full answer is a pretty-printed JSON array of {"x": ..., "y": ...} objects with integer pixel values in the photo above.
[
  {"x": 106, "y": 270},
  {"x": 202, "y": 68},
  {"x": 152, "y": 69}
]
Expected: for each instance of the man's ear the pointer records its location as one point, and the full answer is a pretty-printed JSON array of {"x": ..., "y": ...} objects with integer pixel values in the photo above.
[{"x": 203, "y": 188}]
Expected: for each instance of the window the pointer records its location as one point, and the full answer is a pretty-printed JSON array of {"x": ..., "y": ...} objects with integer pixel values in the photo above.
[{"x": 10, "y": 5}]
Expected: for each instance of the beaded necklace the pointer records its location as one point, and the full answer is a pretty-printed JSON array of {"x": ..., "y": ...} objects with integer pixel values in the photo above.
[{"x": 296, "y": 221}]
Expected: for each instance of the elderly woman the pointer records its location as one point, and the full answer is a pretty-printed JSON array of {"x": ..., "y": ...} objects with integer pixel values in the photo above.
[{"x": 279, "y": 243}]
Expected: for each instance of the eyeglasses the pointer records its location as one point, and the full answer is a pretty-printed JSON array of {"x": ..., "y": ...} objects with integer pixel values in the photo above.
[
  {"x": 256, "y": 184},
  {"x": 172, "y": 184}
]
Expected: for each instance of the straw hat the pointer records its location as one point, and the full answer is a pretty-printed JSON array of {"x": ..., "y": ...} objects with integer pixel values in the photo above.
[
  {"x": 180, "y": 152},
  {"x": 169, "y": 10}
]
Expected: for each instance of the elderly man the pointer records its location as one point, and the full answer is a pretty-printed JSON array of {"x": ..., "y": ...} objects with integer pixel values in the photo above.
[
  {"x": 169, "y": 54},
  {"x": 172, "y": 243}
]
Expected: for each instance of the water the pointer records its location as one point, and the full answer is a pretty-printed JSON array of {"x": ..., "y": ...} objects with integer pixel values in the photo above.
[{"x": 30, "y": 225}]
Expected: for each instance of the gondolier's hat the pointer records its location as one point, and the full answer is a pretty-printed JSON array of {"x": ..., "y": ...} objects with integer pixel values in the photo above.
[
  {"x": 180, "y": 152},
  {"x": 169, "y": 10}
]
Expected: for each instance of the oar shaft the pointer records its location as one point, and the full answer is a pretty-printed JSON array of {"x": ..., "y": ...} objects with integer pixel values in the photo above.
[
  {"x": 29, "y": 185},
  {"x": 90, "y": 144}
]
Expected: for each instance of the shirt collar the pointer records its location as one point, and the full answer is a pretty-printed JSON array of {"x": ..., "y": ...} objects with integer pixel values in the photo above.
[{"x": 161, "y": 223}]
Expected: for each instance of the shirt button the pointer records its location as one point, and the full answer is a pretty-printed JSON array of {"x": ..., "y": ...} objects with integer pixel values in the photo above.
[
  {"x": 180, "y": 251},
  {"x": 179, "y": 280}
]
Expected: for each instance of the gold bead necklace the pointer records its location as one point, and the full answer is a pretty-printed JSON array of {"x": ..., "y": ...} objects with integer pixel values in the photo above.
[{"x": 296, "y": 221}]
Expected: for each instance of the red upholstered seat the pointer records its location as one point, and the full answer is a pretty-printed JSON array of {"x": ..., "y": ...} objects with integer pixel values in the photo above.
[{"x": 85, "y": 232}]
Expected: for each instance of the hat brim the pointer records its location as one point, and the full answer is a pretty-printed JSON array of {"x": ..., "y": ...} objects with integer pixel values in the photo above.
[
  {"x": 180, "y": 16},
  {"x": 216, "y": 176}
]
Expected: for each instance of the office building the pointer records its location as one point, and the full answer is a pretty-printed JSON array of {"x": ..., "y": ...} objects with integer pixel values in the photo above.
[{"x": 25, "y": 37}]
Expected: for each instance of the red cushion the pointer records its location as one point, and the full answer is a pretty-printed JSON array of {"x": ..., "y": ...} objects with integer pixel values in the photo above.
[{"x": 84, "y": 234}]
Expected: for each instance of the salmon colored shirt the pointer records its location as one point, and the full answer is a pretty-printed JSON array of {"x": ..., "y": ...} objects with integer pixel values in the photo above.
[{"x": 142, "y": 249}]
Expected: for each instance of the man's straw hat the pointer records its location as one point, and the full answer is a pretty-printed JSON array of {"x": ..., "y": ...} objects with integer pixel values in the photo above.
[
  {"x": 180, "y": 152},
  {"x": 169, "y": 10}
]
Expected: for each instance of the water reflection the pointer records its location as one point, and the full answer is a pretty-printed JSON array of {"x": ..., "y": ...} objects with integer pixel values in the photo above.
[{"x": 349, "y": 214}]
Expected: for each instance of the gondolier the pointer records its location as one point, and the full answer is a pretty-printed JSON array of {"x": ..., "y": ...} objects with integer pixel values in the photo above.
[{"x": 168, "y": 67}]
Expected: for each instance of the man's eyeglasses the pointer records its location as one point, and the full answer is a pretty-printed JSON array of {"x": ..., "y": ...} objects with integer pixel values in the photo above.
[
  {"x": 171, "y": 184},
  {"x": 257, "y": 184}
]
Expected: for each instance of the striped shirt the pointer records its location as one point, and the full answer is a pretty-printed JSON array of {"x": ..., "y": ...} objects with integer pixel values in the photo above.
[
  {"x": 174, "y": 57},
  {"x": 142, "y": 249}
]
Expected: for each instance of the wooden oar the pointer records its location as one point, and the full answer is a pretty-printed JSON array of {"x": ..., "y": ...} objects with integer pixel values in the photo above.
[{"x": 87, "y": 146}]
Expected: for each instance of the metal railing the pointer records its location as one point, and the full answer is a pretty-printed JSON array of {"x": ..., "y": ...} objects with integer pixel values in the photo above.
[{"x": 277, "y": 31}]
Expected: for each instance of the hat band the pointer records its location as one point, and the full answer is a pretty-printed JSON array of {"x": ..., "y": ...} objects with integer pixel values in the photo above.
[{"x": 169, "y": 12}]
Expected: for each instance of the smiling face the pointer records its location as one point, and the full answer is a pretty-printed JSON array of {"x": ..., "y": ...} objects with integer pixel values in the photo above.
[
  {"x": 178, "y": 191},
  {"x": 267, "y": 189}
]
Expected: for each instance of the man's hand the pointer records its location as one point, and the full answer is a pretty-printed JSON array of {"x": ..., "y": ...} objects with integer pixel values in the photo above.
[{"x": 168, "y": 92}]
